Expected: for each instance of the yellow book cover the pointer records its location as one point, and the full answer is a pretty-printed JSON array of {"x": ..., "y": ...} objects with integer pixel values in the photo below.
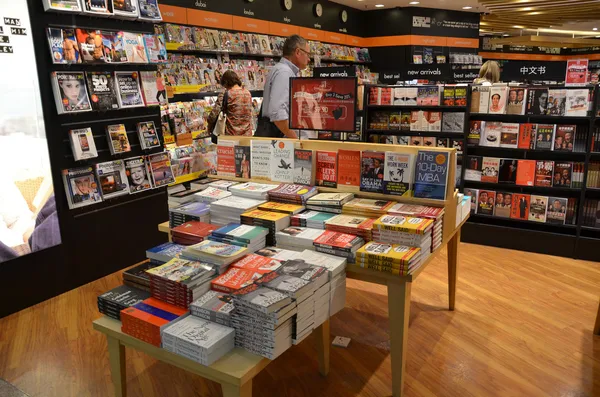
[
  {"x": 281, "y": 207},
  {"x": 265, "y": 215},
  {"x": 351, "y": 221},
  {"x": 369, "y": 205},
  {"x": 388, "y": 252},
  {"x": 384, "y": 269},
  {"x": 404, "y": 224}
]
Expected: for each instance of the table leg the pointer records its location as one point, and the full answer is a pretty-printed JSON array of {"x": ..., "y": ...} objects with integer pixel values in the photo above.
[
  {"x": 597, "y": 326},
  {"x": 399, "y": 313},
  {"x": 452, "y": 268},
  {"x": 116, "y": 358},
  {"x": 244, "y": 390},
  {"x": 322, "y": 333}
]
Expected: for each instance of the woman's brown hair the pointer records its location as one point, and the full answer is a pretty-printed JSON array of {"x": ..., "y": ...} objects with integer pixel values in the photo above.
[{"x": 230, "y": 79}]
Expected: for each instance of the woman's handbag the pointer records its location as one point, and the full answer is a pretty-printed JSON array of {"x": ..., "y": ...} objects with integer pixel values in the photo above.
[{"x": 221, "y": 120}]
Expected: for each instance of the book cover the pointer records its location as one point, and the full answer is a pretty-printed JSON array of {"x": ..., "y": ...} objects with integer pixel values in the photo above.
[
  {"x": 118, "y": 141},
  {"x": 434, "y": 121},
  {"x": 544, "y": 136},
  {"x": 508, "y": 171},
  {"x": 475, "y": 130},
  {"x": 537, "y": 101},
  {"x": 349, "y": 167},
  {"x": 282, "y": 161},
  {"x": 503, "y": 204},
  {"x": 399, "y": 170},
  {"x": 257, "y": 263},
  {"x": 70, "y": 92},
  {"x": 156, "y": 51},
  {"x": 138, "y": 176},
  {"x": 490, "y": 169},
  {"x": 557, "y": 210},
  {"x": 474, "y": 170},
  {"x": 448, "y": 96},
  {"x": 149, "y": 10},
  {"x": 114, "y": 47},
  {"x": 474, "y": 194},
  {"x": 516, "y": 100},
  {"x": 91, "y": 47},
  {"x": 153, "y": 88},
  {"x": 326, "y": 169},
  {"x": 242, "y": 161},
  {"x": 128, "y": 86},
  {"x": 225, "y": 160},
  {"x": 148, "y": 135},
  {"x": 134, "y": 47},
  {"x": 460, "y": 96},
  {"x": 491, "y": 134},
  {"x": 557, "y": 102},
  {"x": 520, "y": 206},
  {"x": 81, "y": 187},
  {"x": 526, "y": 172},
  {"x": 371, "y": 178},
  {"x": 82, "y": 144},
  {"x": 562, "y": 175},
  {"x": 537, "y": 208},
  {"x": 543, "y": 173},
  {"x": 431, "y": 175},
  {"x": 234, "y": 279},
  {"x": 577, "y": 103},
  {"x": 564, "y": 138},
  {"x": 498, "y": 99},
  {"x": 486, "y": 203},
  {"x": 526, "y": 136},
  {"x": 102, "y": 90},
  {"x": 475, "y": 98},
  {"x": 112, "y": 178},
  {"x": 394, "y": 121},
  {"x": 160, "y": 169},
  {"x": 63, "y": 46},
  {"x": 484, "y": 98},
  {"x": 260, "y": 153},
  {"x": 509, "y": 135},
  {"x": 303, "y": 166},
  {"x": 442, "y": 142}
]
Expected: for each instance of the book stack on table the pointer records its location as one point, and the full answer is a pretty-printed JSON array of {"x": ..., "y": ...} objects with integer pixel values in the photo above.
[
  {"x": 292, "y": 194},
  {"x": 183, "y": 197},
  {"x": 311, "y": 219},
  {"x": 164, "y": 252},
  {"x": 297, "y": 238},
  {"x": 274, "y": 221},
  {"x": 214, "y": 306},
  {"x": 251, "y": 237},
  {"x": 336, "y": 266},
  {"x": 229, "y": 209},
  {"x": 390, "y": 258},
  {"x": 351, "y": 224},
  {"x": 191, "y": 232},
  {"x": 112, "y": 302},
  {"x": 244, "y": 272},
  {"x": 420, "y": 211},
  {"x": 222, "y": 184},
  {"x": 137, "y": 277},
  {"x": 279, "y": 254},
  {"x": 404, "y": 230},
  {"x": 197, "y": 339},
  {"x": 367, "y": 207},
  {"x": 257, "y": 191},
  {"x": 211, "y": 194},
  {"x": 284, "y": 208},
  {"x": 219, "y": 254},
  {"x": 180, "y": 281},
  {"x": 338, "y": 244},
  {"x": 194, "y": 211},
  {"x": 263, "y": 320},
  {"x": 329, "y": 202}
]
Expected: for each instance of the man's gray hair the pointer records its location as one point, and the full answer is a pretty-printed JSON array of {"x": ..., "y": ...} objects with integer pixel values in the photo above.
[{"x": 291, "y": 43}]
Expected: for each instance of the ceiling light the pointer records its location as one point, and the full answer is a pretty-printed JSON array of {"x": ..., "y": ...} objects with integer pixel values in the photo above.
[
  {"x": 527, "y": 9},
  {"x": 505, "y": 35},
  {"x": 594, "y": 28},
  {"x": 467, "y": 8},
  {"x": 414, "y": 2},
  {"x": 518, "y": 27},
  {"x": 379, "y": 5}
]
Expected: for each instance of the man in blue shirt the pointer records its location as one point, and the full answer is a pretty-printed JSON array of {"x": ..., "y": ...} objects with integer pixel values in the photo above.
[{"x": 276, "y": 99}]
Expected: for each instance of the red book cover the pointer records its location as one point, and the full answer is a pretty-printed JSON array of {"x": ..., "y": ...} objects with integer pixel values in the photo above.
[
  {"x": 374, "y": 96},
  {"x": 520, "y": 206},
  {"x": 525, "y": 136},
  {"x": 386, "y": 96},
  {"x": 543, "y": 173},
  {"x": 490, "y": 169},
  {"x": 336, "y": 240},
  {"x": 526, "y": 172},
  {"x": 194, "y": 229},
  {"x": 349, "y": 167},
  {"x": 234, "y": 279},
  {"x": 257, "y": 263},
  {"x": 225, "y": 160},
  {"x": 326, "y": 169}
]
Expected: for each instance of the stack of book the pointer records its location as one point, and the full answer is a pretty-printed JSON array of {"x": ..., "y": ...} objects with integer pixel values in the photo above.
[
  {"x": 329, "y": 202},
  {"x": 180, "y": 282},
  {"x": 337, "y": 294},
  {"x": 339, "y": 244},
  {"x": 234, "y": 279},
  {"x": 263, "y": 320},
  {"x": 279, "y": 254},
  {"x": 137, "y": 277},
  {"x": 251, "y": 237},
  {"x": 284, "y": 208},
  {"x": 420, "y": 211},
  {"x": 367, "y": 207},
  {"x": 291, "y": 193},
  {"x": 211, "y": 194},
  {"x": 404, "y": 230},
  {"x": 198, "y": 339},
  {"x": 185, "y": 196},
  {"x": 191, "y": 232},
  {"x": 200, "y": 183},
  {"x": 258, "y": 191},
  {"x": 257, "y": 263},
  {"x": 112, "y": 302},
  {"x": 390, "y": 258},
  {"x": 229, "y": 209},
  {"x": 222, "y": 184},
  {"x": 274, "y": 221},
  {"x": 351, "y": 224},
  {"x": 311, "y": 219},
  {"x": 214, "y": 306},
  {"x": 297, "y": 238},
  {"x": 145, "y": 320},
  {"x": 194, "y": 211},
  {"x": 220, "y": 254},
  {"x": 164, "y": 252}
]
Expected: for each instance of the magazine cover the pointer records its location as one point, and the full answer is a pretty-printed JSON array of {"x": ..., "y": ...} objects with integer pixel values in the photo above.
[
  {"x": 129, "y": 89},
  {"x": 399, "y": 173},
  {"x": 63, "y": 46},
  {"x": 153, "y": 88},
  {"x": 490, "y": 170},
  {"x": 149, "y": 10},
  {"x": 543, "y": 173},
  {"x": 516, "y": 100},
  {"x": 371, "y": 178},
  {"x": 557, "y": 210},
  {"x": 562, "y": 175},
  {"x": 112, "y": 178},
  {"x": 63, "y": 6},
  {"x": 91, "y": 47},
  {"x": 99, "y": 7},
  {"x": 81, "y": 187},
  {"x": 520, "y": 206},
  {"x": 114, "y": 47},
  {"x": 137, "y": 173},
  {"x": 134, "y": 47},
  {"x": 160, "y": 168},
  {"x": 544, "y": 137},
  {"x": 486, "y": 203},
  {"x": 148, "y": 135},
  {"x": 242, "y": 161},
  {"x": 537, "y": 101},
  {"x": 564, "y": 138},
  {"x": 70, "y": 92},
  {"x": 508, "y": 171},
  {"x": 326, "y": 169},
  {"x": 82, "y": 144},
  {"x": 125, "y": 8},
  {"x": 503, "y": 204},
  {"x": 102, "y": 90},
  {"x": 156, "y": 51},
  {"x": 303, "y": 167},
  {"x": 537, "y": 208}
]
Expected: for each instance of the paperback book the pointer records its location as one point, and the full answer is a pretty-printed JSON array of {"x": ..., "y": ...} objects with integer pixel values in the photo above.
[
  {"x": 373, "y": 171},
  {"x": 527, "y": 135},
  {"x": 544, "y": 136},
  {"x": 492, "y": 133},
  {"x": 136, "y": 169},
  {"x": 112, "y": 178},
  {"x": 577, "y": 103},
  {"x": 431, "y": 174},
  {"x": 538, "y": 207},
  {"x": 242, "y": 161},
  {"x": 226, "y": 160},
  {"x": 498, "y": 99},
  {"x": 326, "y": 169},
  {"x": 557, "y": 102},
  {"x": 516, "y": 100},
  {"x": 520, "y": 206},
  {"x": 557, "y": 210},
  {"x": 118, "y": 142},
  {"x": 526, "y": 172},
  {"x": 81, "y": 187},
  {"x": 503, "y": 204},
  {"x": 562, "y": 175},
  {"x": 486, "y": 203},
  {"x": 260, "y": 153},
  {"x": 509, "y": 135},
  {"x": 399, "y": 174},
  {"x": 282, "y": 161},
  {"x": 303, "y": 166},
  {"x": 537, "y": 101},
  {"x": 102, "y": 90},
  {"x": 507, "y": 171},
  {"x": 490, "y": 170},
  {"x": 543, "y": 173},
  {"x": 480, "y": 98},
  {"x": 564, "y": 138},
  {"x": 475, "y": 130},
  {"x": 82, "y": 144},
  {"x": 159, "y": 165},
  {"x": 128, "y": 85}
]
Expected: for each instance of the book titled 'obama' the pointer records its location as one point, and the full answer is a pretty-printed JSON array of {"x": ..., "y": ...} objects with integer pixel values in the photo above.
[{"x": 431, "y": 176}]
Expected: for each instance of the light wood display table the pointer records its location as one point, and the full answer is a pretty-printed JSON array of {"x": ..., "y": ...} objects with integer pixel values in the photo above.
[
  {"x": 597, "y": 325},
  {"x": 234, "y": 371}
]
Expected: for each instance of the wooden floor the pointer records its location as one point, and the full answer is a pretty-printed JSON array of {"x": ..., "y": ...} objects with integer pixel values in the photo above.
[{"x": 522, "y": 327}]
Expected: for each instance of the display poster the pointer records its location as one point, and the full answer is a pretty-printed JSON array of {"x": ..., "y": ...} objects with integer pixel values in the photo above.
[
  {"x": 323, "y": 104},
  {"x": 577, "y": 72},
  {"x": 28, "y": 218}
]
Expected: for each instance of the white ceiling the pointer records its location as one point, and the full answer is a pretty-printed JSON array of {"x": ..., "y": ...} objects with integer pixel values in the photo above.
[{"x": 442, "y": 4}]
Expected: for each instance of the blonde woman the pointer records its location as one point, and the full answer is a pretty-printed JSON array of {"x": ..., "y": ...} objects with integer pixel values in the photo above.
[{"x": 488, "y": 74}]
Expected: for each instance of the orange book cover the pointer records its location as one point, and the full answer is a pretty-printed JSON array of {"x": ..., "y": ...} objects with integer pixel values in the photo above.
[
  {"x": 520, "y": 206},
  {"x": 349, "y": 167},
  {"x": 525, "y": 172},
  {"x": 525, "y": 134},
  {"x": 225, "y": 160},
  {"x": 234, "y": 279},
  {"x": 257, "y": 263}
]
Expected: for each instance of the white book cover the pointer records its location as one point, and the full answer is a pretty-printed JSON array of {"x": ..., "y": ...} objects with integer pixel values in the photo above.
[
  {"x": 299, "y": 235},
  {"x": 112, "y": 179},
  {"x": 278, "y": 253},
  {"x": 491, "y": 134},
  {"x": 153, "y": 88},
  {"x": 334, "y": 264},
  {"x": 399, "y": 96},
  {"x": 282, "y": 161},
  {"x": 149, "y": 10},
  {"x": 212, "y": 194},
  {"x": 82, "y": 144},
  {"x": 199, "y": 332},
  {"x": 577, "y": 103},
  {"x": 260, "y": 155},
  {"x": 237, "y": 202},
  {"x": 399, "y": 173},
  {"x": 128, "y": 85},
  {"x": 63, "y": 5},
  {"x": 252, "y": 187},
  {"x": 498, "y": 99},
  {"x": 134, "y": 47},
  {"x": 223, "y": 184},
  {"x": 127, "y": 9},
  {"x": 557, "y": 102},
  {"x": 411, "y": 96}
]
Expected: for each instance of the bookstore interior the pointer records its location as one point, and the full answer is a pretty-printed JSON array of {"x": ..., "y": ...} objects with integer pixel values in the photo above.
[{"x": 425, "y": 130}]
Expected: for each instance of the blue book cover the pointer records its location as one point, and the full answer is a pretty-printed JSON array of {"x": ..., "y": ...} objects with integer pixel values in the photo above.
[
  {"x": 194, "y": 208},
  {"x": 243, "y": 233},
  {"x": 431, "y": 176},
  {"x": 165, "y": 252}
]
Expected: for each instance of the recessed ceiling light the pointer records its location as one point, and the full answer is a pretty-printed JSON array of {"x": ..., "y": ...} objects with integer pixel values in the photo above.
[
  {"x": 594, "y": 28},
  {"x": 505, "y": 35},
  {"x": 518, "y": 27},
  {"x": 467, "y": 7},
  {"x": 527, "y": 8},
  {"x": 414, "y": 2},
  {"x": 379, "y": 5}
]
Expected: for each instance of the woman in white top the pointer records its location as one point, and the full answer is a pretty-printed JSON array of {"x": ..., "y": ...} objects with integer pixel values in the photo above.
[{"x": 488, "y": 74}]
